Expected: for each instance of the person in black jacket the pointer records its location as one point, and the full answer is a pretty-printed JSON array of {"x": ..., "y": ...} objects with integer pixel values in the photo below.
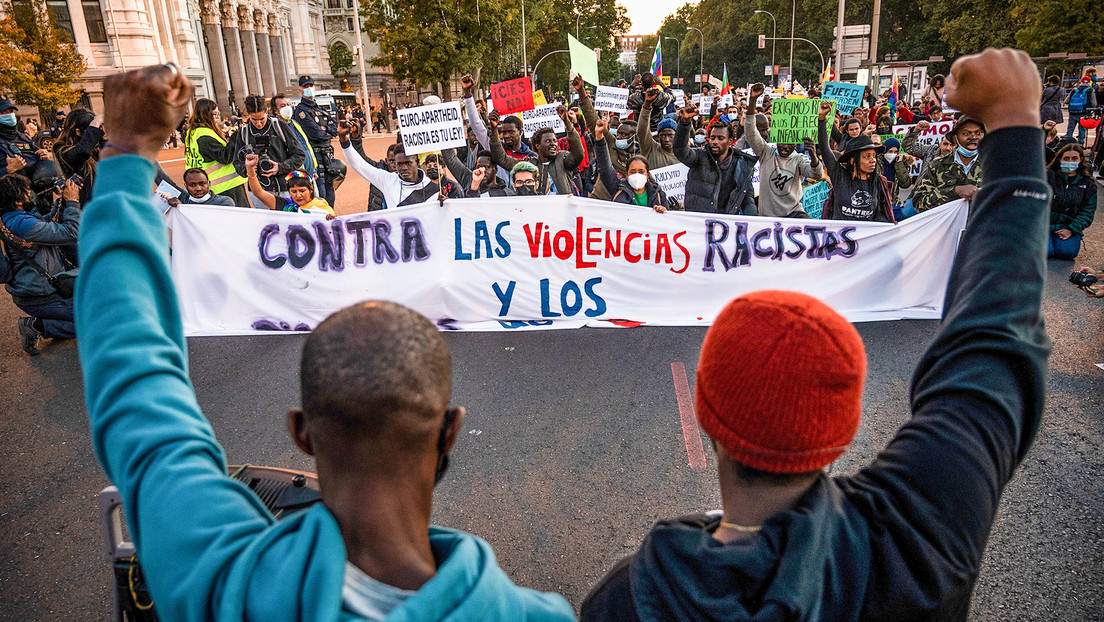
[
  {"x": 273, "y": 141},
  {"x": 1074, "y": 204},
  {"x": 637, "y": 188},
  {"x": 779, "y": 391},
  {"x": 78, "y": 149},
  {"x": 858, "y": 192},
  {"x": 719, "y": 180}
]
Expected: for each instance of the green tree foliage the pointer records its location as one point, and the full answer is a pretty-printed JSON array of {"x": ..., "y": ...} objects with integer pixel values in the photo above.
[
  {"x": 50, "y": 61},
  {"x": 1060, "y": 26},
  {"x": 427, "y": 41},
  {"x": 341, "y": 59}
]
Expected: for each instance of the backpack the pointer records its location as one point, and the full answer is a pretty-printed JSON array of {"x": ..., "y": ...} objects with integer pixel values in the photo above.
[{"x": 1078, "y": 100}]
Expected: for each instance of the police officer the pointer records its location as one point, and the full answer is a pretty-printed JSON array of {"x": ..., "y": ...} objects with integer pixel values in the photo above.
[
  {"x": 18, "y": 153},
  {"x": 320, "y": 127}
]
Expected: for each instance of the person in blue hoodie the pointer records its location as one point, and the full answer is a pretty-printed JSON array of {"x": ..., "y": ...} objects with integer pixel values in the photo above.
[
  {"x": 375, "y": 415},
  {"x": 779, "y": 393}
]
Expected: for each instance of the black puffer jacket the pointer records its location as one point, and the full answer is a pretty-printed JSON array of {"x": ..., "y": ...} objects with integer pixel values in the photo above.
[{"x": 703, "y": 186}]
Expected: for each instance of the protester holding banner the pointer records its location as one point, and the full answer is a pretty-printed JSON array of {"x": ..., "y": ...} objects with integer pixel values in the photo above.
[
  {"x": 720, "y": 176},
  {"x": 903, "y": 538},
  {"x": 955, "y": 175},
  {"x": 272, "y": 141},
  {"x": 408, "y": 185},
  {"x": 637, "y": 187},
  {"x": 556, "y": 168},
  {"x": 205, "y": 147},
  {"x": 858, "y": 191},
  {"x": 781, "y": 169},
  {"x": 1074, "y": 204}
]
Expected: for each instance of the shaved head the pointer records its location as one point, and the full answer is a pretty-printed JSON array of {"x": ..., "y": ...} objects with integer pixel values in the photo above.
[{"x": 376, "y": 370}]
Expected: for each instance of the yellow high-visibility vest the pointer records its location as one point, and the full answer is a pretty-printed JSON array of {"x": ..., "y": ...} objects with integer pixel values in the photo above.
[{"x": 223, "y": 176}]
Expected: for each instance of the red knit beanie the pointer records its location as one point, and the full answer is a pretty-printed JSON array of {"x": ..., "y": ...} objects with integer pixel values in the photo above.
[{"x": 779, "y": 382}]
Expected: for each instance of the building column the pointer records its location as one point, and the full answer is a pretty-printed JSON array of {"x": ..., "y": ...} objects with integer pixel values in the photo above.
[
  {"x": 249, "y": 51},
  {"x": 264, "y": 53},
  {"x": 276, "y": 52},
  {"x": 216, "y": 55},
  {"x": 233, "y": 47}
]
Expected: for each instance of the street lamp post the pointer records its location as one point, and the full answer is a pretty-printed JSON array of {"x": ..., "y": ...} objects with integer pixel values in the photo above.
[
  {"x": 792, "y": 39},
  {"x": 537, "y": 66},
  {"x": 793, "y": 20},
  {"x": 701, "y": 51},
  {"x": 678, "y": 57},
  {"x": 773, "y": 35}
]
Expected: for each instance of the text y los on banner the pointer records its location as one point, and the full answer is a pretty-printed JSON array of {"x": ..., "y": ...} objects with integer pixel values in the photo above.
[
  {"x": 432, "y": 128},
  {"x": 611, "y": 99},
  {"x": 793, "y": 120},
  {"x": 512, "y": 96},
  {"x": 847, "y": 96},
  {"x": 546, "y": 262},
  {"x": 542, "y": 116}
]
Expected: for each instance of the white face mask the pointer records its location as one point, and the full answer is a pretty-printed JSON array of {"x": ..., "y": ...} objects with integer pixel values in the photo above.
[
  {"x": 889, "y": 157},
  {"x": 204, "y": 198},
  {"x": 285, "y": 112},
  {"x": 637, "y": 180}
]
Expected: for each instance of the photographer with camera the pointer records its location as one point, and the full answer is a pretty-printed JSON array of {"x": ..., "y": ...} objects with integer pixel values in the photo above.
[
  {"x": 1088, "y": 281},
  {"x": 274, "y": 144},
  {"x": 34, "y": 248}
]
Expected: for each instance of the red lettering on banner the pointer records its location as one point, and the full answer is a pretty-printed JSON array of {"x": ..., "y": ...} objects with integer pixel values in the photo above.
[
  {"x": 611, "y": 250},
  {"x": 628, "y": 240},
  {"x": 685, "y": 252},
  {"x": 534, "y": 239},
  {"x": 568, "y": 243},
  {"x": 586, "y": 245},
  {"x": 580, "y": 246}
]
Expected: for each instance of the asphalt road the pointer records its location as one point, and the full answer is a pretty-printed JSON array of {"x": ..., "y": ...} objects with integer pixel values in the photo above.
[{"x": 572, "y": 448}]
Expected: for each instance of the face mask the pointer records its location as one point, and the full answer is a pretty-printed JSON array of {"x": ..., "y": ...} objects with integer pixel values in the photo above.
[
  {"x": 526, "y": 191},
  {"x": 1069, "y": 167},
  {"x": 285, "y": 112},
  {"x": 890, "y": 157},
  {"x": 622, "y": 143},
  {"x": 966, "y": 153},
  {"x": 637, "y": 180},
  {"x": 308, "y": 92},
  {"x": 699, "y": 139},
  {"x": 433, "y": 173},
  {"x": 204, "y": 198},
  {"x": 8, "y": 119}
]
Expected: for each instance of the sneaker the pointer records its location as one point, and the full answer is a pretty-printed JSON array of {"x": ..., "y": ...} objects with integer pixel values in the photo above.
[{"x": 28, "y": 335}]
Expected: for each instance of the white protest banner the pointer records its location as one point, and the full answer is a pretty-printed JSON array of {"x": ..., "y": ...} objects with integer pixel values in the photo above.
[
  {"x": 931, "y": 136},
  {"x": 542, "y": 116},
  {"x": 706, "y": 104},
  {"x": 680, "y": 97},
  {"x": 432, "y": 128},
  {"x": 725, "y": 101},
  {"x": 673, "y": 180},
  {"x": 847, "y": 96},
  {"x": 611, "y": 99},
  {"x": 546, "y": 262}
]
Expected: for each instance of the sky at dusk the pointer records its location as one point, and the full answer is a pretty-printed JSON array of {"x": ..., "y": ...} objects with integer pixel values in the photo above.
[{"x": 647, "y": 15}]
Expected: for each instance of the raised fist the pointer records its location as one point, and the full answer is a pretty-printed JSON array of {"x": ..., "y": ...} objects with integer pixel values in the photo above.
[
  {"x": 651, "y": 94},
  {"x": 689, "y": 111},
  {"x": 974, "y": 79},
  {"x": 468, "y": 83},
  {"x": 577, "y": 84},
  {"x": 344, "y": 130},
  {"x": 561, "y": 110},
  {"x": 757, "y": 89},
  {"x": 600, "y": 127},
  {"x": 923, "y": 126},
  {"x": 492, "y": 120},
  {"x": 143, "y": 107},
  {"x": 825, "y": 108}
]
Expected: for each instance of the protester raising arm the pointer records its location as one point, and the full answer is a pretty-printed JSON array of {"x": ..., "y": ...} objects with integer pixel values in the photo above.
[
  {"x": 831, "y": 164},
  {"x": 375, "y": 176},
  {"x": 264, "y": 196},
  {"x": 605, "y": 168},
  {"x": 575, "y": 153},
  {"x": 683, "y": 152},
  {"x": 475, "y": 120},
  {"x": 498, "y": 154},
  {"x": 460, "y": 172}
]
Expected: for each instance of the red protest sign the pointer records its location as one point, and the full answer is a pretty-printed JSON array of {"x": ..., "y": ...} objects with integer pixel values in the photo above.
[{"x": 513, "y": 95}]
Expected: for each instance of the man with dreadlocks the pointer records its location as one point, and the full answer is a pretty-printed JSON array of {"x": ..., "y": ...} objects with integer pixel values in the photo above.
[{"x": 858, "y": 191}]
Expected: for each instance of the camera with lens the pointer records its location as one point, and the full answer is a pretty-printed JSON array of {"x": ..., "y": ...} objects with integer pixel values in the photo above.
[
  {"x": 260, "y": 147},
  {"x": 1082, "y": 280}
]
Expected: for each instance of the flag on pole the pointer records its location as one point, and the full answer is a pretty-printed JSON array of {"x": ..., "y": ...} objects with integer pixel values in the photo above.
[
  {"x": 657, "y": 60},
  {"x": 893, "y": 101},
  {"x": 724, "y": 81},
  {"x": 828, "y": 72}
]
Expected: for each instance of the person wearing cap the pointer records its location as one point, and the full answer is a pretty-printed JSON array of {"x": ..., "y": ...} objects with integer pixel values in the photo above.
[
  {"x": 859, "y": 191},
  {"x": 59, "y": 121},
  {"x": 320, "y": 126},
  {"x": 660, "y": 151},
  {"x": 1080, "y": 98},
  {"x": 18, "y": 150},
  {"x": 779, "y": 393},
  {"x": 955, "y": 175},
  {"x": 781, "y": 169}
]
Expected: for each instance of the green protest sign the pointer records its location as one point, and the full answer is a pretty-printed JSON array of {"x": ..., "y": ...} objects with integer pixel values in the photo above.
[
  {"x": 899, "y": 137},
  {"x": 793, "y": 120},
  {"x": 583, "y": 60}
]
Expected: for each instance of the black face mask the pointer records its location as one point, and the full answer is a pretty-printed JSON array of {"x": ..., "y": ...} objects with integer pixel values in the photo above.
[
  {"x": 526, "y": 191},
  {"x": 433, "y": 173},
  {"x": 442, "y": 457}
]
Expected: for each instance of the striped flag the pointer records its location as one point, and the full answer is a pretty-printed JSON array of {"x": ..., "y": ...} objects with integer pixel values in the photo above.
[
  {"x": 657, "y": 60},
  {"x": 724, "y": 81},
  {"x": 893, "y": 101}
]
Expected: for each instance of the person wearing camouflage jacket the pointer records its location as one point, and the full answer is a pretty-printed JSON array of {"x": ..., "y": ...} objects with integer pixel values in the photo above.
[{"x": 956, "y": 175}]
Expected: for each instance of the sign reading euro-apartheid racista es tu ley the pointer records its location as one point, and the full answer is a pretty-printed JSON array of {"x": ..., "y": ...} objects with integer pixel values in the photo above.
[{"x": 546, "y": 262}]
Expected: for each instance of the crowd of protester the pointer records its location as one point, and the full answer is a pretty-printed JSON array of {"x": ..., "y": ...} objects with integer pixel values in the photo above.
[
  {"x": 902, "y": 538},
  {"x": 280, "y": 156}
]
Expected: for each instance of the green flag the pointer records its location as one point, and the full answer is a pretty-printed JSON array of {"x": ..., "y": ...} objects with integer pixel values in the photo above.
[{"x": 583, "y": 60}]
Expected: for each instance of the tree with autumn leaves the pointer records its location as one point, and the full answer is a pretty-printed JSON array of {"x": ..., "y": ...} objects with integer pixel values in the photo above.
[{"x": 39, "y": 63}]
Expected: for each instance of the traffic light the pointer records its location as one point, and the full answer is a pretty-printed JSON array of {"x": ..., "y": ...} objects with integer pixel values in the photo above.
[{"x": 762, "y": 41}]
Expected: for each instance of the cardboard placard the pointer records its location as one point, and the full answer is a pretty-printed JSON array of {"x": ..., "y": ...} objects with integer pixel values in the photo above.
[
  {"x": 542, "y": 116},
  {"x": 813, "y": 198},
  {"x": 793, "y": 120},
  {"x": 680, "y": 97},
  {"x": 847, "y": 96},
  {"x": 538, "y": 98},
  {"x": 432, "y": 128},
  {"x": 513, "y": 96},
  {"x": 673, "y": 180}
]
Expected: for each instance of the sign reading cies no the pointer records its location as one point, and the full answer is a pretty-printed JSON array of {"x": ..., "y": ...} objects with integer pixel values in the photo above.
[{"x": 513, "y": 96}]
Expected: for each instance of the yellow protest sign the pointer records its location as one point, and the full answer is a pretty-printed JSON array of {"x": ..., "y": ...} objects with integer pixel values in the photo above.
[
  {"x": 666, "y": 80},
  {"x": 538, "y": 97}
]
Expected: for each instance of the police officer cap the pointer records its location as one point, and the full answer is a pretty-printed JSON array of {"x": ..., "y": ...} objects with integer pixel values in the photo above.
[
  {"x": 305, "y": 80},
  {"x": 6, "y": 105}
]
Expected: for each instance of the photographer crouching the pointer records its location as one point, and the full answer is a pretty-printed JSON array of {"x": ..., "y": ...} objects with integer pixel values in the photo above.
[{"x": 273, "y": 142}]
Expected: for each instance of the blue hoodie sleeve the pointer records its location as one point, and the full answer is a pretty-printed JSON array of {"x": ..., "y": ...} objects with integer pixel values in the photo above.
[{"x": 188, "y": 519}]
